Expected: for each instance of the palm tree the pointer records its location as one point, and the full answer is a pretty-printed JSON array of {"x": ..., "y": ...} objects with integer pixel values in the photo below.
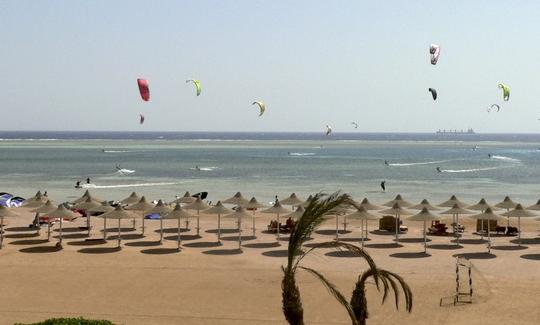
[
  {"x": 312, "y": 218},
  {"x": 390, "y": 281}
]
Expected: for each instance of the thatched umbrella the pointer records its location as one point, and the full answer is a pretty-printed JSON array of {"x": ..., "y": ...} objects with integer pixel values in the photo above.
[
  {"x": 368, "y": 206},
  {"x": 424, "y": 204},
  {"x": 162, "y": 210},
  {"x": 46, "y": 208},
  {"x": 177, "y": 213},
  {"x": 519, "y": 212},
  {"x": 103, "y": 207},
  {"x": 141, "y": 206},
  {"x": 535, "y": 206},
  {"x": 277, "y": 209},
  {"x": 507, "y": 204},
  {"x": 398, "y": 199},
  {"x": 253, "y": 204},
  {"x": 398, "y": 211},
  {"x": 487, "y": 215},
  {"x": 36, "y": 201},
  {"x": 424, "y": 216},
  {"x": 482, "y": 205},
  {"x": 131, "y": 199},
  {"x": 198, "y": 205},
  {"x": 296, "y": 214},
  {"x": 5, "y": 213},
  {"x": 85, "y": 196},
  {"x": 453, "y": 201},
  {"x": 363, "y": 215},
  {"x": 186, "y": 199},
  {"x": 455, "y": 211},
  {"x": 220, "y": 210},
  {"x": 62, "y": 213},
  {"x": 85, "y": 206},
  {"x": 292, "y": 200},
  {"x": 238, "y": 214},
  {"x": 237, "y": 199},
  {"x": 307, "y": 201},
  {"x": 118, "y": 213}
]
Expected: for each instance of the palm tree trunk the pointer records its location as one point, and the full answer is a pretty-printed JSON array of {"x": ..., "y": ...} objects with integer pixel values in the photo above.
[
  {"x": 292, "y": 303},
  {"x": 359, "y": 303}
]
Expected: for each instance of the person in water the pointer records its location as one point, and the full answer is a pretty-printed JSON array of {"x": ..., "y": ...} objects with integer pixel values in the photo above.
[
  {"x": 383, "y": 186},
  {"x": 438, "y": 169},
  {"x": 88, "y": 180},
  {"x": 386, "y": 163},
  {"x": 489, "y": 155},
  {"x": 78, "y": 184},
  {"x": 197, "y": 168}
]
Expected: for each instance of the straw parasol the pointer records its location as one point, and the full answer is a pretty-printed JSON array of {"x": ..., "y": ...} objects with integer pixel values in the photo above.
[
  {"x": 535, "y": 206},
  {"x": 455, "y": 211},
  {"x": 36, "y": 201},
  {"x": 61, "y": 213},
  {"x": 162, "y": 210},
  {"x": 424, "y": 204},
  {"x": 238, "y": 214},
  {"x": 5, "y": 213},
  {"x": 519, "y": 212},
  {"x": 453, "y": 201},
  {"x": 368, "y": 206},
  {"x": 198, "y": 205},
  {"x": 424, "y": 216},
  {"x": 398, "y": 211},
  {"x": 237, "y": 199},
  {"x": 177, "y": 213},
  {"x": 296, "y": 214},
  {"x": 363, "y": 215},
  {"x": 292, "y": 200},
  {"x": 85, "y": 206},
  {"x": 187, "y": 198},
  {"x": 131, "y": 199},
  {"x": 85, "y": 196},
  {"x": 507, "y": 204},
  {"x": 118, "y": 213},
  {"x": 253, "y": 204},
  {"x": 103, "y": 207},
  {"x": 482, "y": 205},
  {"x": 307, "y": 201},
  {"x": 277, "y": 209},
  {"x": 220, "y": 210},
  {"x": 141, "y": 206},
  {"x": 400, "y": 200},
  {"x": 487, "y": 215}
]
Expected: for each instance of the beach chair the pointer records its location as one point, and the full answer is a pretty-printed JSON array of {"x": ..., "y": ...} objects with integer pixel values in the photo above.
[{"x": 437, "y": 228}]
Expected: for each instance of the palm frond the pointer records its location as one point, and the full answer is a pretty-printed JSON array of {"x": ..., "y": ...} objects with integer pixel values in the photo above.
[{"x": 334, "y": 292}]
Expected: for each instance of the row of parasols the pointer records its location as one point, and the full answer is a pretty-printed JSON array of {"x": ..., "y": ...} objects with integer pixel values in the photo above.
[{"x": 134, "y": 207}]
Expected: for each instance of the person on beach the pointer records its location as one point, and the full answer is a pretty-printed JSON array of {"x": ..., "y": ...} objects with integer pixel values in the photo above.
[{"x": 383, "y": 186}]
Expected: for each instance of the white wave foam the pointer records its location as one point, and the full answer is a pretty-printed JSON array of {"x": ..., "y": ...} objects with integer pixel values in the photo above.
[
  {"x": 301, "y": 154},
  {"x": 417, "y": 163},
  {"x": 506, "y": 158},
  {"x": 125, "y": 171},
  {"x": 116, "y": 151},
  {"x": 126, "y": 185},
  {"x": 472, "y": 170},
  {"x": 205, "y": 169}
]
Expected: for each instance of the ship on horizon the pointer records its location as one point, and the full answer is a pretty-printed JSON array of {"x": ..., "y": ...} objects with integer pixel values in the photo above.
[{"x": 469, "y": 131}]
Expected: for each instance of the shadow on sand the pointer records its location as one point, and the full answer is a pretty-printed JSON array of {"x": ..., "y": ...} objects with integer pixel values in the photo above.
[
  {"x": 143, "y": 243},
  {"x": 384, "y": 245},
  {"x": 72, "y": 236},
  {"x": 99, "y": 250},
  {"x": 342, "y": 253},
  {"x": 235, "y": 238},
  {"x": 126, "y": 237},
  {"x": 535, "y": 257},
  {"x": 203, "y": 244},
  {"x": 29, "y": 242},
  {"x": 526, "y": 241},
  {"x": 471, "y": 241},
  {"x": 262, "y": 245},
  {"x": 410, "y": 255},
  {"x": 68, "y": 229},
  {"x": 87, "y": 242},
  {"x": 222, "y": 231},
  {"x": 160, "y": 251},
  {"x": 183, "y": 237},
  {"x": 41, "y": 249},
  {"x": 22, "y": 235},
  {"x": 234, "y": 251},
  {"x": 172, "y": 230},
  {"x": 331, "y": 232},
  {"x": 413, "y": 240},
  {"x": 115, "y": 230},
  {"x": 509, "y": 247},
  {"x": 476, "y": 256},
  {"x": 445, "y": 246},
  {"x": 17, "y": 229}
]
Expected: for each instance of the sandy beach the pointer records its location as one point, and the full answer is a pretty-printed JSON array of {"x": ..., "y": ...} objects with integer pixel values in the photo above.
[{"x": 147, "y": 283}]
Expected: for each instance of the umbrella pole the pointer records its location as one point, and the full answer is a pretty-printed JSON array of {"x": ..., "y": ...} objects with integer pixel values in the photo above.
[
  {"x": 1, "y": 231},
  {"x": 240, "y": 233},
  {"x": 457, "y": 229},
  {"x": 219, "y": 228},
  {"x": 337, "y": 224},
  {"x": 38, "y": 226},
  {"x": 344, "y": 224},
  {"x": 134, "y": 223},
  {"x": 142, "y": 234},
  {"x": 49, "y": 230},
  {"x": 489, "y": 239},
  {"x": 88, "y": 222},
  {"x": 507, "y": 218},
  {"x": 104, "y": 228},
  {"x": 178, "y": 238},
  {"x": 60, "y": 240},
  {"x": 425, "y": 238},
  {"x": 519, "y": 230},
  {"x": 197, "y": 223},
  {"x": 362, "y": 236},
  {"x": 253, "y": 223},
  {"x": 278, "y": 226},
  {"x": 160, "y": 229},
  {"x": 119, "y": 238}
]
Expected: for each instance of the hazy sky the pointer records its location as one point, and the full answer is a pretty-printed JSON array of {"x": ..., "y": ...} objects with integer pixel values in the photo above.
[{"x": 73, "y": 65}]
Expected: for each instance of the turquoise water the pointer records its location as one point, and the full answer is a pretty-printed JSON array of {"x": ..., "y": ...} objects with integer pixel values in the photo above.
[{"x": 264, "y": 168}]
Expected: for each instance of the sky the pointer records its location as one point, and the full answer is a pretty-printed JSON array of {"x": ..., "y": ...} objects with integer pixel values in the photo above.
[{"x": 73, "y": 65}]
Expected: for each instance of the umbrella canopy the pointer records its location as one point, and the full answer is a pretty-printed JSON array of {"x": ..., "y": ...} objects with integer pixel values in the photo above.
[
  {"x": 362, "y": 214},
  {"x": 218, "y": 209},
  {"x": 296, "y": 214},
  {"x": 187, "y": 198},
  {"x": 487, "y": 215},
  {"x": 87, "y": 205},
  {"x": 45, "y": 208},
  {"x": 452, "y": 201},
  {"x": 133, "y": 198},
  {"x": 62, "y": 213},
  {"x": 103, "y": 207},
  {"x": 507, "y": 203},
  {"x": 35, "y": 201},
  {"x": 240, "y": 212},
  {"x": 160, "y": 209},
  {"x": 520, "y": 212},
  {"x": 253, "y": 204},
  {"x": 400, "y": 200},
  {"x": 197, "y": 205},
  {"x": 481, "y": 206},
  {"x": 7, "y": 213},
  {"x": 117, "y": 213},
  {"x": 370, "y": 206},
  {"x": 177, "y": 212},
  {"x": 237, "y": 199},
  {"x": 142, "y": 205},
  {"x": 85, "y": 196},
  {"x": 424, "y": 204},
  {"x": 307, "y": 201},
  {"x": 424, "y": 215},
  {"x": 396, "y": 209},
  {"x": 456, "y": 209},
  {"x": 535, "y": 206},
  {"x": 277, "y": 208},
  {"x": 291, "y": 200}
]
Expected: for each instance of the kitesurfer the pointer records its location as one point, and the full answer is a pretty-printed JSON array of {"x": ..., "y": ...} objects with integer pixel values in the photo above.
[
  {"x": 88, "y": 180},
  {"x": 386, "y": 163},
  {"x": 383, "y": 186},
  {"x": 439, "y": 169}
]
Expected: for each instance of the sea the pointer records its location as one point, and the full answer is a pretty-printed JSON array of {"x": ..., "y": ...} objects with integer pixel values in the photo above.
[{"x": 163, "y": 165}]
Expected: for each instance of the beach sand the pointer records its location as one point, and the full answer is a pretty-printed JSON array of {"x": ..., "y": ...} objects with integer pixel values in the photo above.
[{"x": 145, "y": 283}]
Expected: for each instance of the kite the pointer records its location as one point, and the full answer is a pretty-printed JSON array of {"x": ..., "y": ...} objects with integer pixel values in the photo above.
[
  {"x": 494, "y": 106},
  {"x": 197, "y": 84},
  {"x": 261, "y": 105},
  {"x": 355, "y": 125},
  {"x": 141, "y": 119},
  {"x": 434, "y": 51},
  {"x": 328, "y": 129},
  {"x": 506, "y": 91},
  {"x": 433, "y": 93},
  {"x": 143, "y": 89}
]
